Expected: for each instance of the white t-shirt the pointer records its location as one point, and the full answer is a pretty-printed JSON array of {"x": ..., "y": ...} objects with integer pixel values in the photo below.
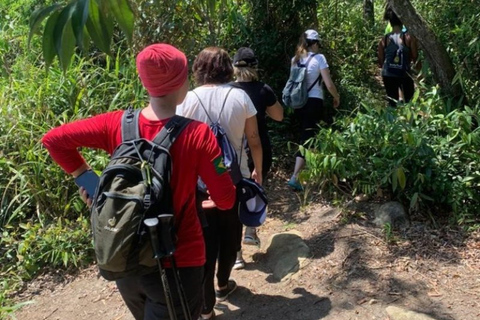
[
  {"x": 238, "y": 109},
  {"x": 317, "y": 63}
]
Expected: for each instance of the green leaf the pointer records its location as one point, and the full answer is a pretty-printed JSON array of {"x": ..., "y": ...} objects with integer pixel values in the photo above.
[
  {"x": 402, "y": 180},
  {"x": 37, "y": 18},
  {"x": 79, "y": 19},
  {"x": 99, "y": 27},
  {"x": 48, "y": 45},
  {"x": 414, "y": 200},
  {"x": 62, "y": 43},
  {"x": 123, "y": 13},
  {"x": 68, "y": 47}
]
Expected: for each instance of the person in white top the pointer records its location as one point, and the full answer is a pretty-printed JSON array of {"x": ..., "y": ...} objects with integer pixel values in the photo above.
[
  {"x": 213, "y": 70},
  {"x": 314, "y": 112}
]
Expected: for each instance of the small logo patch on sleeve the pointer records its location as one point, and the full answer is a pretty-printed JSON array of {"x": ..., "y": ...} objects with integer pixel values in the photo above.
[{"x": 219, "y": 165}]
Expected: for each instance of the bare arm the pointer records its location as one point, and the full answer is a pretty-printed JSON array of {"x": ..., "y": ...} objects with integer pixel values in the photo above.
[
  {"x": 380, "y": 53},
  {"x": 413, "y": 45},
  {"x": 275, "y": 111},
  {"x": 255, "y": 145},
  {"x": 330, "y": 86}
]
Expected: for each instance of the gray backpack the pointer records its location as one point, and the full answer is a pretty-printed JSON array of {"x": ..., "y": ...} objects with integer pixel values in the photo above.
[
  {"x": 295, "y": 93},
  {"x": 135, "y": 186}
]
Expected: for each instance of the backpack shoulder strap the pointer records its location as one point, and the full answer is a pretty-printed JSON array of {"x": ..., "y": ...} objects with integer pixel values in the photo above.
[
  {"x": 203, "y": 107},
  {"x": 310, "y": 58},
  {"x": 169, "y": 133},
  {"x": 403, "y": 36},
  {"x": 221, "y": 110},
  {"x": 223, "y": 106},
  {"x": 318, "y": 78},
  {"x": 130, "y": 130}
]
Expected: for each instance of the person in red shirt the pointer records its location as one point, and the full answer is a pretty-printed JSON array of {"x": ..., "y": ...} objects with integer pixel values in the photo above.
[{"x": 163, "y": 71}]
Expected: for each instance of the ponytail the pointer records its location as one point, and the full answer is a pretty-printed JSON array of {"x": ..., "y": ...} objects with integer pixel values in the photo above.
[{"x": 302, "y": 47}]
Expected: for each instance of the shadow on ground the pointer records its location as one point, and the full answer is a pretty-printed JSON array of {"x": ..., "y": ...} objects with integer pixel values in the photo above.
[{"x": 246, "y": 305}]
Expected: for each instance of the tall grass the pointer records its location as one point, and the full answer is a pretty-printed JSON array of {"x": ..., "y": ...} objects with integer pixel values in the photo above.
[{"x": 43, "y": 222}]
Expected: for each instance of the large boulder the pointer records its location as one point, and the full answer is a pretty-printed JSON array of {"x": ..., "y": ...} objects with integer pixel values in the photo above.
[
  {"x": 286, "y": 254},
  {"x": 392, "y": 213}
]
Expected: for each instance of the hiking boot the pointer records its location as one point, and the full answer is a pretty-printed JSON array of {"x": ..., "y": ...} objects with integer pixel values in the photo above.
[{"x": 223, "y": 294}]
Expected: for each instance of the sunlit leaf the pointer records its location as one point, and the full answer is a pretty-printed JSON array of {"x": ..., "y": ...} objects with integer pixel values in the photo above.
[
  {"x": 99, "y": 27},
  {"x": 124, "y": 16},
  {"x": 64, "y": 20},
  {"x": 68, "y": 47},
  {"x": 37, "y": 18},
  {"x": 79, "y": 19},
  {"x": 48, "y": 45}
]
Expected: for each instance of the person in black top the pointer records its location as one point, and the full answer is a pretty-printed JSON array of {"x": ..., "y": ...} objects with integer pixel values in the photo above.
[{"x": 245, "y": 70}]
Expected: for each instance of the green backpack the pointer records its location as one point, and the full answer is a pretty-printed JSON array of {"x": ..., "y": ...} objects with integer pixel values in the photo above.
[{"x": 135, "y": 186}]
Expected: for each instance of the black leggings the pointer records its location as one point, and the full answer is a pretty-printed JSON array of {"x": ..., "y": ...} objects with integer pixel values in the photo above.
[
  {"x": 223, "y": 237},
  {"x": 393, "y": 84},
  {"x": 313, "y": 114}
]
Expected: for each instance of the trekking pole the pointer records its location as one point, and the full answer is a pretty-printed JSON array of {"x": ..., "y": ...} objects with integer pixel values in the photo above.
[
  {"x": 181, "y": 291},
  {"x": 166, "y": 224},
  {"x": 152, "y": 224}
]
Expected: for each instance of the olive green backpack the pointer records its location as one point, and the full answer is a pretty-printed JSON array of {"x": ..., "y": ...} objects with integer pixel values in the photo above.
[{"x": 135, "y": 186}]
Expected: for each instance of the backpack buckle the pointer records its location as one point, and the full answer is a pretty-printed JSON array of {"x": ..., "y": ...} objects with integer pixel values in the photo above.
[{"x": 147, "y": 201}]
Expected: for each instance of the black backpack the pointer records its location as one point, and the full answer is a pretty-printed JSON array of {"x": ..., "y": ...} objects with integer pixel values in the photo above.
[
  {"x": 397, "y": 59},
  {"x": 229, "y": 154},
  {"x": 135, "y": 186}
]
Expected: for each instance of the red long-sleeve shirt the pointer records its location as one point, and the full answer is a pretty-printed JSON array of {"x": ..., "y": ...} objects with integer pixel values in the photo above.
[{"x": 194, "y": 153}]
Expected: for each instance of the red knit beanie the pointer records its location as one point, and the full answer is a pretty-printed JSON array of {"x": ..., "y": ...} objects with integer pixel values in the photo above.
[{"x": 162, "y": 69}]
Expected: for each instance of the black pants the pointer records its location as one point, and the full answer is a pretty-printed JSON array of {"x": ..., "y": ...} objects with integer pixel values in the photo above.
[
  {"x": 310, "y": 116},
  {"x": 145, "y": 298},
  {"x": 393, "y": 84},
  {"x": 223, "y": 237}
]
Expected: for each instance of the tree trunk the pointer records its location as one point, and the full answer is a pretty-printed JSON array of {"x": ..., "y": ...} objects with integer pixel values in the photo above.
[
  {"x": 368, "y": 12},
  {"x": 436, "y": 54}
]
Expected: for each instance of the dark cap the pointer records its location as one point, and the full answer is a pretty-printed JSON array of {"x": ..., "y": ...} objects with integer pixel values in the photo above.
[{"x": 245, "y": 57}]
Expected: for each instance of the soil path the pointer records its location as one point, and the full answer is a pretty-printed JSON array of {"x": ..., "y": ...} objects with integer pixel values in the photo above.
[{"x": 353, "y": 273}]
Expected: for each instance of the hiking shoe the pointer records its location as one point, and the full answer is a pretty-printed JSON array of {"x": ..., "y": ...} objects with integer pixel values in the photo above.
[
  {"x": 212, "y": 317},
  {"x": 294, "y": 184},
  {"x": 239, "y": 263},
  {"x": 223, "y": 294},
  {"x": 251, "y": 237}
]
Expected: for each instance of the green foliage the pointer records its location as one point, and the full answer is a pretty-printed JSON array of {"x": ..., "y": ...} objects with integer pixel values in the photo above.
[
  {"x": 424, "y": 154},
  {"x": 28, "y": 250},
  {"x": 415, "y": 153},
  {"x": 66, "y": 243},
  {"x": 73, "y": 25},
  {"x": 32, "y": 187}
]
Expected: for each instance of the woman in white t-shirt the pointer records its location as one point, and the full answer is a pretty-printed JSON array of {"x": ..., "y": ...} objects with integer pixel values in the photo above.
[
  {"x": 213, "y": 70},
  {"x": 314, "y": 112}
]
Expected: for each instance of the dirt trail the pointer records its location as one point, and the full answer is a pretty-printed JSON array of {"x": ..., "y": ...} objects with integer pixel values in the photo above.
[{"x": 352, "y": 274}]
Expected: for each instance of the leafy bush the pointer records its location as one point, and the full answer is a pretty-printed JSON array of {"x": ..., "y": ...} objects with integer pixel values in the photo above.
[{"x": 415, "y": 153}]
